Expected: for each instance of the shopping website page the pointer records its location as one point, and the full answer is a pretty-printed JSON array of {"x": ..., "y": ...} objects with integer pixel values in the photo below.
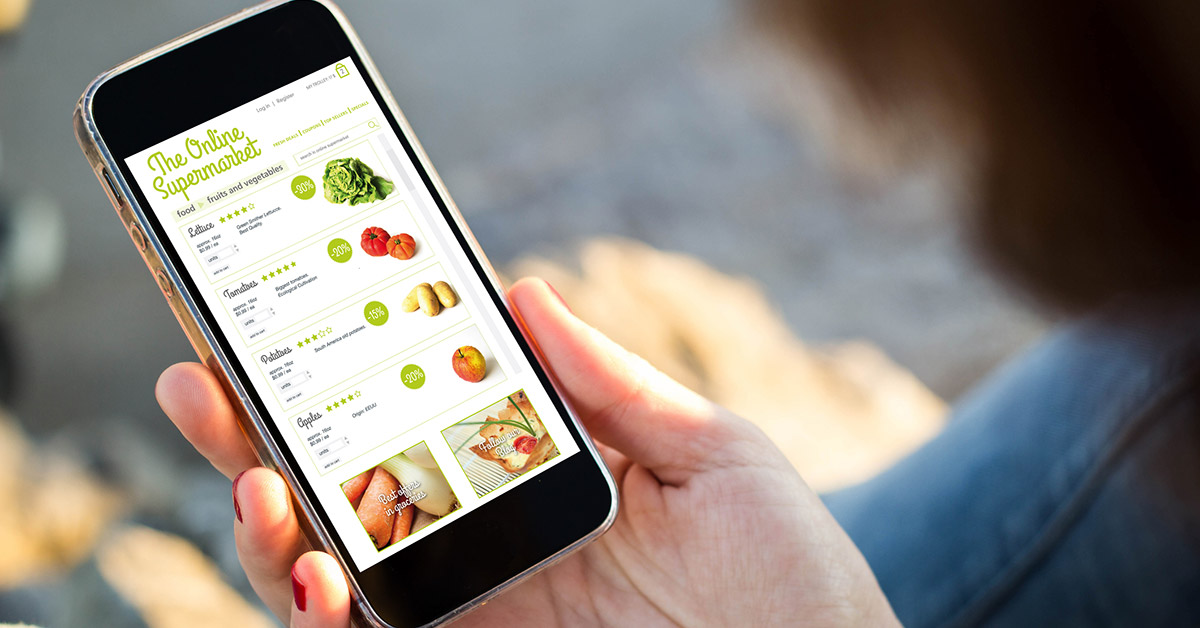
[{"x": 358, "y": 319}]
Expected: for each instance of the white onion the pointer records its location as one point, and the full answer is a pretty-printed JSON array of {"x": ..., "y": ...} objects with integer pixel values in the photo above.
[{"x": 439, "y": 499}]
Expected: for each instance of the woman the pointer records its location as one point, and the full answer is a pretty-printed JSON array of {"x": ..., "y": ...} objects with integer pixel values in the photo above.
[{"x": 1064, "y": 491}]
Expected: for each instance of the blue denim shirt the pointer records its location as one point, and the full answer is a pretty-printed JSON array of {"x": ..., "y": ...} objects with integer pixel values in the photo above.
[{"x": 1064, "y": 491}]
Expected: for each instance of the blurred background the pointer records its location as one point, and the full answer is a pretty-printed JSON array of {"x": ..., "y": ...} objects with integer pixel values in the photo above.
[{"x": 614, "y": 146}]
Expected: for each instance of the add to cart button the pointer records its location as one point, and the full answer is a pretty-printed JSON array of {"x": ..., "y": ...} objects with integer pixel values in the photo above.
[{"x": 355, "y": 132}]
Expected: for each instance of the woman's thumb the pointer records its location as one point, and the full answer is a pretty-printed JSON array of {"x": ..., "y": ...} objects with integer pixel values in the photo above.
[{"x": 624, "y": 402}]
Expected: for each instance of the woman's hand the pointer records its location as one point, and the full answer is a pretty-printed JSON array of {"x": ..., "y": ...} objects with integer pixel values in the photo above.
[{"x": 715, "y": 528}]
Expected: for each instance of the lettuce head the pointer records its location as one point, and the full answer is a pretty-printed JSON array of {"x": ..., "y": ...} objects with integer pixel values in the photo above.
[{"x": 351, "y": 181}]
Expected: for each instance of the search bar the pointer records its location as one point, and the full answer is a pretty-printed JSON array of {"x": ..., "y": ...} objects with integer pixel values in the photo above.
[{"x": 353, "y": 133}]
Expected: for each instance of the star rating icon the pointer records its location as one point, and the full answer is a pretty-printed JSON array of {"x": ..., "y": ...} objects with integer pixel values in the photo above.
[
  {"x": 299, "y": 345},
  {"x": 237, "y": 212},
  {"x": 308, "y": 340},
  {"x": 344, "y": 401},
  {"x": 286, "y": 266}
]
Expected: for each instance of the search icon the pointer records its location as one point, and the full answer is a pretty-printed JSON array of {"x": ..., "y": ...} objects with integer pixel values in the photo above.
[{"x": 372, "y": 125}]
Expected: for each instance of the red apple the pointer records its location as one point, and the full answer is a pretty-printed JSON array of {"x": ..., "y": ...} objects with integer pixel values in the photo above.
[{"x": 469, "y": 364}]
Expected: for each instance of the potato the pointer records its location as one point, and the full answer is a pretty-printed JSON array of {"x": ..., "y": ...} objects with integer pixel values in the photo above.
[
  {"x": 380, "y": 495},
  {"x": 410, "y": 303},
  {"x": 420, "y": 520},
  {"x": 445, "y": 294},
  {"x": 428, "y": 300}
]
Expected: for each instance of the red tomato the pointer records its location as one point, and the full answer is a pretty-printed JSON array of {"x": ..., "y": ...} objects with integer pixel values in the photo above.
[
  {"x": 375, "y": 242},
  {"x": 525, "y": 444},
  {"x": 401, "y": 246}
]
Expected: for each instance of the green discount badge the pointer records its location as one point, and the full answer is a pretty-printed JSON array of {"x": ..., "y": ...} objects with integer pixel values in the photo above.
[
  {"x": 412, "y": 376},
  {"x": 340, "y": 250},
  {"x": 303, "y": 187},
  {"x": 376, "y": 313}
]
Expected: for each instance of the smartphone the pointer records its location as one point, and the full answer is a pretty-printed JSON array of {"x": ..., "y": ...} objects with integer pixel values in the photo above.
[{"x": 320, "y": 269}]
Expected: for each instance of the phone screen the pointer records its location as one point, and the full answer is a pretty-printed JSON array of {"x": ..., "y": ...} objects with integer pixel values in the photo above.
[{"x": 357, "y": 317}]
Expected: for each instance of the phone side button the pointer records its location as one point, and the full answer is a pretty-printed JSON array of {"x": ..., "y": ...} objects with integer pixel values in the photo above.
[
  {"x": 164, "y": 282},
  {"x": 139, "y": 238},
  {"x": 113, "y": 191}
]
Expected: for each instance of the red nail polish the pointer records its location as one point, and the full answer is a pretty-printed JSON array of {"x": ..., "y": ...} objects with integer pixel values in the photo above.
[
  {"x": 560, "y": 297},
  {"x": 237, "y": 509},
  {"x": 298, "y": 591}
]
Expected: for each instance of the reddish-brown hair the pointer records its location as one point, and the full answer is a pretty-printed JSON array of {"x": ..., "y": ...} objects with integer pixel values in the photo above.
[{"x": 1083, "y": 118}]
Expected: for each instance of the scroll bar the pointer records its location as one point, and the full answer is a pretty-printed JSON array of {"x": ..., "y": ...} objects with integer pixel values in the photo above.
[{"x": 513, "y": 365}]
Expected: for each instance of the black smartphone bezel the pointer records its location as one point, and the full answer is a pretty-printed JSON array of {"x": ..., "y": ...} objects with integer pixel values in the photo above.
[{"x": 534, "y": 521}]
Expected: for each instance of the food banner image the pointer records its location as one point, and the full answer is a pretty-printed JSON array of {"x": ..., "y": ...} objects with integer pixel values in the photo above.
[
  {"x": 500, "y": 443},
  {"x": 399, "y": 496}
]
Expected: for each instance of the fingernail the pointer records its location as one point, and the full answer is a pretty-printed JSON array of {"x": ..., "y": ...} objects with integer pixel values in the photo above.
[
  {"x": 298, "y": 591},
  {"x": 237, "y": 509},
  {"x": 560, "y": 297}
]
